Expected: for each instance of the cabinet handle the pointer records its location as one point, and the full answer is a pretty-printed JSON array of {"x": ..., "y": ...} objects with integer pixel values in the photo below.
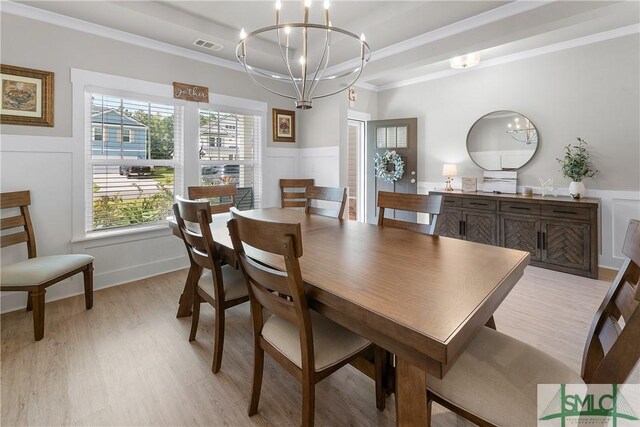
[
  {"x": 520, "y": 208},
  {"x": 565, "y": 212},
  {"x": 464, "y": 228},
  {"x": 544, "y": 240},
  {"x": 538, "y": 241},
  {"x": 478, "y": 204},
  {"x": 460, "y": 228}
]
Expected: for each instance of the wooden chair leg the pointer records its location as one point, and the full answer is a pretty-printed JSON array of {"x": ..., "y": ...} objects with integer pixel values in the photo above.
[
  {"x": 308, "y": 402},
  {"x": 88, "y": 286},
  {"x": 37, "y": 301},
  {"x": 195, "y": 318},
  {"x": 29, "y": 305},
  {"x": 380, "y": 366},
  {"x": 429, "y": 409},
  {"x": 218, "y": 345},
  {"x": 258, "y": 366}
]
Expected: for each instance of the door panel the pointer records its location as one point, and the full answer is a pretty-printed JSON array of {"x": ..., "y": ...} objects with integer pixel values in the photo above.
[{"x": 395, "y": 129}]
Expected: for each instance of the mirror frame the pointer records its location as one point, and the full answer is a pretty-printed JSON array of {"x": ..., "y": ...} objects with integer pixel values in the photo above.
[{"x": 500, "y": 111}]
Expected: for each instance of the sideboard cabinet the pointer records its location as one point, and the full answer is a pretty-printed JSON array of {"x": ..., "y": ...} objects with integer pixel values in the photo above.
[{"x": 560, "y": 233}]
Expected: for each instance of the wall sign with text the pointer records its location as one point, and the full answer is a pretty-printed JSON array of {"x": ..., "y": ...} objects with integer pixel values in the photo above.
[{"x": 190, "y": 92}]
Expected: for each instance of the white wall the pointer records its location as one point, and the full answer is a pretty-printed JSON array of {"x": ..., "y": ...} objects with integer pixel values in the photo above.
[
  {"x": 591, "y": 91},
  {"x": 47, "y": 160}
]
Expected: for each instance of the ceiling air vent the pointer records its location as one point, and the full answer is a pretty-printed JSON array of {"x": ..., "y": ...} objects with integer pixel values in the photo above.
[{"x": 208, "y": 45}]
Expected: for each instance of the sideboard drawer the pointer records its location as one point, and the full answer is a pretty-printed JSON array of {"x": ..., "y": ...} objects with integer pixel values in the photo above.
[
  {"x": 520, "y": 208},
  {"x": 451, "y": 202},
  {"x": 488, "y": 205},
  {"x": 569, "y": 212}
]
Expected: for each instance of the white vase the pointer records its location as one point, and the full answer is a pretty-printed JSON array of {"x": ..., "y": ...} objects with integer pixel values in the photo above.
[{"x": 576, "y": 189}]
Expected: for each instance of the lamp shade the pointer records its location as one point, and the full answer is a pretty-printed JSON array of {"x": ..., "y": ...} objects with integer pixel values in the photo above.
[{"x": 449, "y": 170}]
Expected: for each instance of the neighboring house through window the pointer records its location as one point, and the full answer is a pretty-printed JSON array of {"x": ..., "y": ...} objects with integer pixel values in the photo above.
[
  {"x": 132, "y": 170},
  {"x": 230, "y": 152}
]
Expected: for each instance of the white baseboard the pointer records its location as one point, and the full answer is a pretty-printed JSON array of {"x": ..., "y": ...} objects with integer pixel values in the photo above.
[{"x": 11, "y": 301}]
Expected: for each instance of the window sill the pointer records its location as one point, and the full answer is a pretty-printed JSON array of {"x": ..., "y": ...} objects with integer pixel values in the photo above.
[{"x": 127, "y": 234}]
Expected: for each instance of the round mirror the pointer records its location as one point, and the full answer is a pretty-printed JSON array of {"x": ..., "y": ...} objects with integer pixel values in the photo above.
[{"x": 502, "y": 141}]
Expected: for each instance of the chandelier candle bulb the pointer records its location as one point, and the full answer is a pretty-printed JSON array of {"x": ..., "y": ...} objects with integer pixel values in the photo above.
[
  {"x": 326, "y": 13},
  {"x": 303, "y": 80}
]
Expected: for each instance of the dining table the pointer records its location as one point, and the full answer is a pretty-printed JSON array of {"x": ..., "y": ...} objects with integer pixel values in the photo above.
[{"x": 420, "y": 297}]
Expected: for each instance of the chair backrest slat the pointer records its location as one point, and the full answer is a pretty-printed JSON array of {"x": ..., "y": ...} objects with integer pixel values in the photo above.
[
  {"x": 21, "y": 200},
  {"x": 14, "y": 238},
  {"x": 612, "y": 349},
  {"x": 12, "y": 222},
  {"x": 199, "y": 243},
  {"x": 420, "y": 203},
  {"x": 226, "y": 195},
  {"x": 15, "y": 199},
  {"x": 267, "y": 286},
  {"x": 625, "y": 300},
  {"x": 292, "y": 192},
  {"x": 326, "y": 194}
]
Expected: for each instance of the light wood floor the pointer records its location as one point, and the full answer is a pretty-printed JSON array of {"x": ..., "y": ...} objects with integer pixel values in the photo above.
[{"x": 128, "y": 361}]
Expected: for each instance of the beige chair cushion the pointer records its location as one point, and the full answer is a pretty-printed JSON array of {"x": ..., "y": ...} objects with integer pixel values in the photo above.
[
  {"x": 331, "y": 342},
  {"x": 496, "y": 379},
  {"x": 35, "y": 271},
  {"x": 232, "y": 280}
]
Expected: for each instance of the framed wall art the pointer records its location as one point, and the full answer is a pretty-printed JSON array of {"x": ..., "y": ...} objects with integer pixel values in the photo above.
[
  {"x": 284, "y": 125},
  {"x": 26, "y": 96}
]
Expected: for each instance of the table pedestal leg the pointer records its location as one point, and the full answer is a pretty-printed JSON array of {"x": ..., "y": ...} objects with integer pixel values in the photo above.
[
  {"x": 411, "y": 395},
  {"x": 186, "y": 299}
]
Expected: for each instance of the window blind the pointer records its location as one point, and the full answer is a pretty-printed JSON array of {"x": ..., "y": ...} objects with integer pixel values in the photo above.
[
  {"x": 134, "y": 154},
  {"x": 229, "y": 153}
]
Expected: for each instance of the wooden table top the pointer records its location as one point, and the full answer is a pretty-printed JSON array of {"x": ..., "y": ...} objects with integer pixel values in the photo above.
[{"x": 420, "y": 295}]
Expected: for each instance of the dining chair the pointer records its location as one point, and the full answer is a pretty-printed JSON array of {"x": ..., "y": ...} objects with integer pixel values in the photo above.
[
  {"x": 308, "y": 345},
  {"x": 221, "y": 197},
  {"x": 37, "y": 273},
  {"x": 292, "y": 192},
  {"x": 221, "y": 286},
  {"x": 494, "y": 381},
  {"x": 326, "y": 194},
  {"x": 420, "y": 203}
]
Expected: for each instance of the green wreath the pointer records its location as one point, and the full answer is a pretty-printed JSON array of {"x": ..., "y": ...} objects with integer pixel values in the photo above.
[{"x": 382, "y": 166}]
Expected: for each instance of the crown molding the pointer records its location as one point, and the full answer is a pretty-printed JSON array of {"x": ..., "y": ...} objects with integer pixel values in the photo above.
[
  {"x": 53, "y": 18},
  {"x": 556, "y": 47},
  {"x": 502, "y": 12}
]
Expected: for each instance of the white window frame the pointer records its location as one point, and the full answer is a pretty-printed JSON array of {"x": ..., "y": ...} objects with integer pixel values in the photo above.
[
  {"x": 257, "y": 162},
  {"x": 83, "y": 81}
]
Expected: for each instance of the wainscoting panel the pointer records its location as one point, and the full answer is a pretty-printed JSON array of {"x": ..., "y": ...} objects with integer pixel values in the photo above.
[{"x": 321, "y": 164}]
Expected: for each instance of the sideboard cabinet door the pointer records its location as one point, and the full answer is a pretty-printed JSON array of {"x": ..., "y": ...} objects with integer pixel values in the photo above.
[
  {"x": 480, "y": 227},
  {"x": 566, "y": 244},
  {"x": 522, "y": 233},
  {"x": 449, "y": 223}
]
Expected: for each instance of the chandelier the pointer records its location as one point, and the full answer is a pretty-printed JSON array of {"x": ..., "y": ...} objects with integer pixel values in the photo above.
[
  {"x": 527, "y": 134},
  {"x": 305, "y": 70}
]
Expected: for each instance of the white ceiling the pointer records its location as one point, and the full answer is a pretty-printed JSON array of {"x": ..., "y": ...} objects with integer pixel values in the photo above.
[{"x": 408, "y": 39}]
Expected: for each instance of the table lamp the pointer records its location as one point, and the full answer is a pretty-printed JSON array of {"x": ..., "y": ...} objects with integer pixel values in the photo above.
[{"x": 449, "y": 171}]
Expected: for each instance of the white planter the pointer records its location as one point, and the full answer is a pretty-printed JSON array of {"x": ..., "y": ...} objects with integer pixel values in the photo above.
[{"x": 577, "y": 190}]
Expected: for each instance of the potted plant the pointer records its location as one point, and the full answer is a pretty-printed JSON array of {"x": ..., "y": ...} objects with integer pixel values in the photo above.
[{"x": 576, "y": 166}]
